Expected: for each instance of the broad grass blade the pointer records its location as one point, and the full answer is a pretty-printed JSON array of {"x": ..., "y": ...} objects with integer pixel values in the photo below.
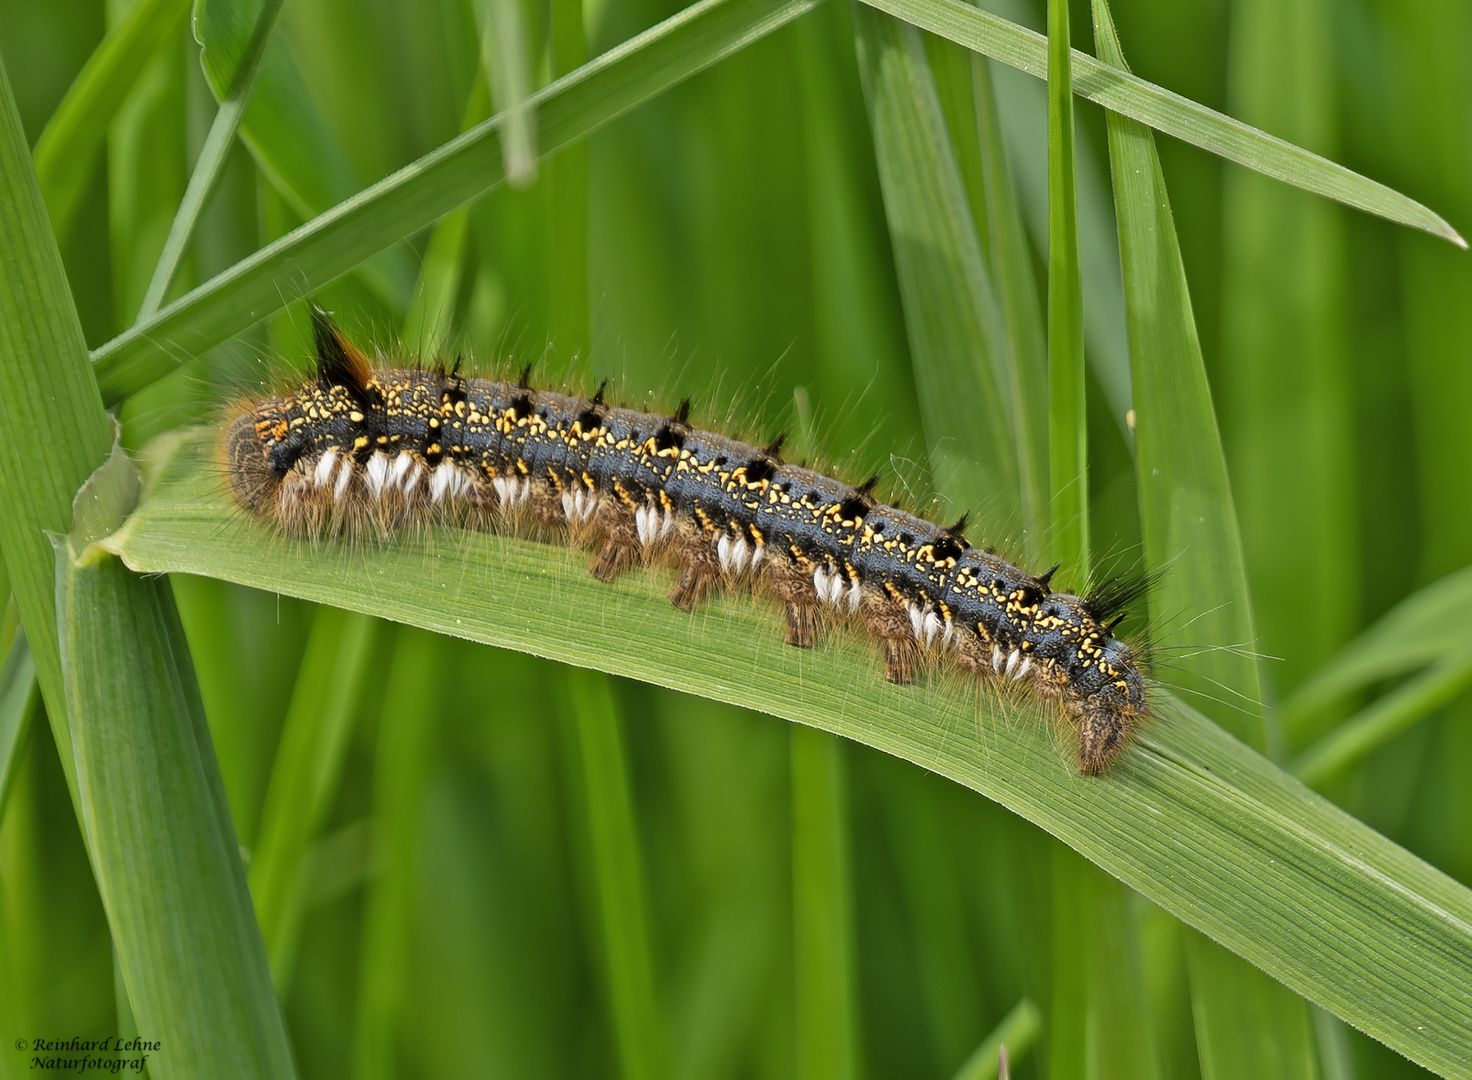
[
  {"x": 1335, "y": 911},
  {"x": 187, "y": 942}
]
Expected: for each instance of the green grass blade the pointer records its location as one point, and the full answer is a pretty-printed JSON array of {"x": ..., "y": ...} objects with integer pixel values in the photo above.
[
  {"x": 175, "y": 896},
  {"x": 1017, "y": 1032},
  {"x": 401, "y": 772},
  {"x": 1068, "y": 427},
  {"x": 1423, "y": 628},
  {"x": 304, "y": 779},
  {"x": 1361, "y": 734},
  {"x": 619, "y": 870},
  {"x": 73, "y": 137},
  {"x": 1187, "y": 516},
  {"x": 822, "y": 919},
  {"x": 1286, "y": 385},
  {"x": 959, "y": 354},
  {"x": 1246, "y": 1024},
  {"x": 504, "y": 50},
  {"x": 330, "y": 245},
  {"x": 1127, "y": 95},
  {"x": 211, "y": 161},
  {"x": 1335, "y": 911},
  {"x": 1189, "y": 525},
  {"x": 20, "y": 698},
  {"x": 44, "y": 389}
]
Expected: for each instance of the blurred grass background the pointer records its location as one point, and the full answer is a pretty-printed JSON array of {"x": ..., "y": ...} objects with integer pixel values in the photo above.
[{"x": 514, "y": 869}]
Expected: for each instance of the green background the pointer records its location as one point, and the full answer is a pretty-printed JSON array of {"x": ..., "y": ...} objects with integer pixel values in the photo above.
[{"x": 508, "y": 867}]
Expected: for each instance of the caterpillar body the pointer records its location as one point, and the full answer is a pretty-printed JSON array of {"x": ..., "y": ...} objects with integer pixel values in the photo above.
[{"x": 356, "y": 447}]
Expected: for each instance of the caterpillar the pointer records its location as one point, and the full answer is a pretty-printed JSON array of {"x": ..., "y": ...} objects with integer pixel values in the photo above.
[{"x": 358, "y": 448}]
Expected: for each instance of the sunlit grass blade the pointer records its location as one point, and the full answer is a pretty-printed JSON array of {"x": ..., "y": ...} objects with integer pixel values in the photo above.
[
  {"x": 959, "y": 353},
  {"x": 44, "y": 389},
  {"x": 505, "y": 57},
  {"x": 1068, "y": 426},
  {"x": 1168, "y": 112},
  {"x": 333, "y": 243},
  {"x": 68, "y": 147},
  {"x": 822, "y": 917},
  {"x": 1187, "y": 516},
  {"x": 1335, "y": 911},
  {"x": 304, "y": 780},
  {"x": 20, "y": 698},
  {"x": 619, "y": 873},
  {"x": 1017, "y": 1032},
  {"x": 211, "y": 161},
  {"x": 401, "y": 772},
  {"x": 163, "y": 848}
]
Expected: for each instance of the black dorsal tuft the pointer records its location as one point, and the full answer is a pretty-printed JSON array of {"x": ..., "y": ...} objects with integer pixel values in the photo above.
[
  {"x": 774, "y": 448},
  {"x": 1047, "y": 575},
  {"x": 682, "y": 414},
  {"x": 525, "y": 382},
  {"x": 339, "y": 361},
  {"x": 598, "y": 397}
]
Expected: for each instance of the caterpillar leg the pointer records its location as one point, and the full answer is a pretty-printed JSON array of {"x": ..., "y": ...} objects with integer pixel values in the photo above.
[
  {"x": 612, "y": 559},
  {"x": 900, "y": 654},
  {"x": 694, "y": 582},
  {"x": 799, "y": 624},
  {"x": 1101, "y": 735}
]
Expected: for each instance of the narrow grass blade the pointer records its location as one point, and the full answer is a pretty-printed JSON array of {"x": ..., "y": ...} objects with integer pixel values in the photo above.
[
  {"x": 1422, "y": 629},
  {"x": 1361, "y": 734},
  {"x": 175, "y": 896},
  {"x": 300, "y": 154},
  {"x": 1017, "y": 291},
  {"x": 68, "y": 147},
  {"x": 1190, "y": 529},
  {"x": 1187, "y": 515},
  {"x": 304, "y": 780},
  {"x": 619, "y": 870},
  {"x": 1068, "y": 426},
  {"x": 822, "y": 917},
  {"x": 20, "y": 698},
  {"x": 1068, "y": 1009},
  {"x": 333, "y": 243},
  {"x": 44, "y": 389},
  {"x": 400, "y": 774},
  {"x": 1286, "y": 385},
  {"x": 1127, "y": 95},
  {"x": 211, "y": 161},
  {"x": 1335, "y": 911},
  {"x": 959, "y": 354},
  {"x": 504, "y": 51},
  {"x": 1246, "y": 1024},
  {"x": 1017, "y": 1032}
]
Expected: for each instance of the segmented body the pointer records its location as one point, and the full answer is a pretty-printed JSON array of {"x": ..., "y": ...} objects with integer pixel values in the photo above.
[{"x": 400, "y": 445}]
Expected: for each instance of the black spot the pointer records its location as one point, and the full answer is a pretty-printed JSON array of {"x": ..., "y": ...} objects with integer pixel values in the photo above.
[
  {"x": 854, "y": 508},
  {"x": 521, "y": 407},
  {"x": 668, "y": 438},
  {"x": 589, "y": 419},
  {"x": 453, "y": 392},
  {"x": 720, "y": 460},
  {"x": 288, "y": 452},
  {"x": 906, "y": 539},
  {"x": 1029, "y": 596},
  {"x": 433, "y": 457},
  {"x": 946, "y": 547},
  {"x": 760, "y": 469}
]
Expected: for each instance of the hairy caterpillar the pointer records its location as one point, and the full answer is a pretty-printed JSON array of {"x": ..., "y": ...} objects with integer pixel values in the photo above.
[{"x": 380, "y": 449}]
